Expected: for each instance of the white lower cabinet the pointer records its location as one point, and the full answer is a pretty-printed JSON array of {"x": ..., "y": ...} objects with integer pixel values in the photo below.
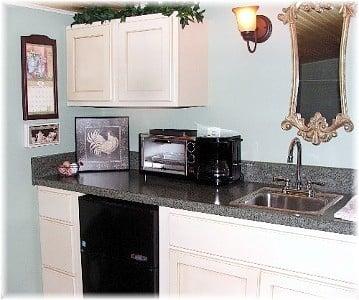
[
  {"x": 54, "y": 235},
  {"x": 195, "y": 275},
  {"x": 210, "y": 255},
  {"x": 279, "y": 286},
  {"x": 60, "y": 242},
  {"x": 202, "y": 254},
  {"x": 55, "y": 282}
]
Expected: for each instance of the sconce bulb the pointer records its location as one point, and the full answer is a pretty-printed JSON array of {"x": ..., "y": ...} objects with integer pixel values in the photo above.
[{"x": 246, "y": 18}]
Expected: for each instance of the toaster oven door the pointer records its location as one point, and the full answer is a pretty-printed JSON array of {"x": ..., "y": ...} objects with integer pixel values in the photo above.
[{"x": 163, "y": 155}]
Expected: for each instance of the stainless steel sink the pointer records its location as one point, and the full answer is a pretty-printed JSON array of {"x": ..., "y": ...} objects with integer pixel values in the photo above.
[{"x": 273, "y": 198}]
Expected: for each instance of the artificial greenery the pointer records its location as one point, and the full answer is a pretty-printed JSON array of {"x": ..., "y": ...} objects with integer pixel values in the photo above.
[{"x": 186, "y": 12}]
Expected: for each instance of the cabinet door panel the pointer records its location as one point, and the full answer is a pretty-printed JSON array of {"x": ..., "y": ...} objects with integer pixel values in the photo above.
[
  {"x": 195, "y": 275},
  {"x": 144, "y": 60},
  {"x": 57, "y": 205},
  {"x": 278, "y": 286},
  {"x": 89, "y": 60},
  {"x": 57, "y": 246},
  {"x": 87, "y": 50},
  {"x": 144, "y": 73},
  {"x": 57, "y": 283}
]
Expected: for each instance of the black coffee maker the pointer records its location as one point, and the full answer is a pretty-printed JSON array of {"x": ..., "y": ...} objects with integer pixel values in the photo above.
[{"x": 219, "y": 159}]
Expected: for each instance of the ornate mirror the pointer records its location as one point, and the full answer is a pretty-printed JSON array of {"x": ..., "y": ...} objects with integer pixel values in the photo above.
[{"x": 318, "y": 105}]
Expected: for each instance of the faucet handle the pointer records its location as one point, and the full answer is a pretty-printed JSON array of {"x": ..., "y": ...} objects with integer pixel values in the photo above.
[
  {"x": 311, "y": 183},
  {"x": 311, "y": 192},
  {"x": 281, "y": 179}
]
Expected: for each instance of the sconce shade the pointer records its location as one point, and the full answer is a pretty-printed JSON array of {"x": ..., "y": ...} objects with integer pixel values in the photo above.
[{"x": 246, "y": 18}]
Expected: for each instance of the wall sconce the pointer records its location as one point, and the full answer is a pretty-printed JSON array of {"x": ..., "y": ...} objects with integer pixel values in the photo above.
[{"x": 254, "y": 28}]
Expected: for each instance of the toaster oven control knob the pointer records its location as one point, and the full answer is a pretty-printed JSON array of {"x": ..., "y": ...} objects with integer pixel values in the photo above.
[
  {"x": 190, "y": 147},
  {"x": 191, "y": 158}
]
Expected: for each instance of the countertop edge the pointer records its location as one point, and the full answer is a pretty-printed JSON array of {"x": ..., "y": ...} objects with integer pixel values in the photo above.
[{"x": 248, "y": 213}]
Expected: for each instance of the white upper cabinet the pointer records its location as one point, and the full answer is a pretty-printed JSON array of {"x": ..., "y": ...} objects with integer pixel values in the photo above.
[
  {"x": 147, "y": 61},
  {"x": 89, "y": 63},
  {"x": 144, "y": 53}
]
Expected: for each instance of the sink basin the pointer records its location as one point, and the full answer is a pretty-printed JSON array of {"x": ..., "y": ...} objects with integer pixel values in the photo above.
[{"x": 273, "y": 198}]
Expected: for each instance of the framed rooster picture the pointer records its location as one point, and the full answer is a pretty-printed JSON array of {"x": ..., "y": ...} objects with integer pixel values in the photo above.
[{"x": 102, "y": 143}]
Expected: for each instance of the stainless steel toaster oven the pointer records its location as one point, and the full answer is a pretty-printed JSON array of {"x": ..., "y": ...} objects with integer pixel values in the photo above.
[{"x": 171, "y": 151}]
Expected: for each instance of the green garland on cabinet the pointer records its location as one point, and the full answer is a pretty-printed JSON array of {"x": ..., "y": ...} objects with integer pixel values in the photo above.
[{"x": 186, "y": 12}]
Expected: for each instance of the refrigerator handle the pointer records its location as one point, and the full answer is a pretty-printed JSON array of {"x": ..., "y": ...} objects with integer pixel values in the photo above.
[
  {"x": 138, "y": 257},
  {"x": 83, "y": 245}
]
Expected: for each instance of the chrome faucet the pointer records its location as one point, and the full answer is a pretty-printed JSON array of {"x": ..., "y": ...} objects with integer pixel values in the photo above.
[
  {"x": 298, "y": 189},
  {"x": 296, "y": 142}
]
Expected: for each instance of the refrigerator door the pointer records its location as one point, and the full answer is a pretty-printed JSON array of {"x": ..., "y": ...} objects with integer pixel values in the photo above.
[
  {"x": 103, "y": 274},
  {"x": 124, "y": 230},
  {"x": 119, "y": 246}
]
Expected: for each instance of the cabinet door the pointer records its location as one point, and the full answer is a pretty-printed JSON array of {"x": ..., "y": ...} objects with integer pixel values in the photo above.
[
  {"x": 278, "y": 286},
  {"x": 58, "y": 205},
  {"x": 57, "y": 283},
  {"x": 58, "y": 246},
  {"x": 60, "y": 241},
  {"x": 144, "y": 57},
  {"x": 89, "y": 63},
  {"x": 191, "y": 274}
]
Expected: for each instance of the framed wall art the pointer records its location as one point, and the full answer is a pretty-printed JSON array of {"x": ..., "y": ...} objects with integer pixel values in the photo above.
[
  {"x": 39, "y": 77},
  {"x": 102, "y": 143},
  {"x": 41, "y": 134}
]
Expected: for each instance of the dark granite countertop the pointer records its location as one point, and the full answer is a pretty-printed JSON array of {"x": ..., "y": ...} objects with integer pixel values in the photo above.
[{"x": 183, "y": 194}]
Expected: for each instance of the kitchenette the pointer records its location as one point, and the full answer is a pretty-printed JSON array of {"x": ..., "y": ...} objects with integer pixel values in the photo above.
[
  {"x": 165, "y": 154},
  {"x": 210, "y": 240}
]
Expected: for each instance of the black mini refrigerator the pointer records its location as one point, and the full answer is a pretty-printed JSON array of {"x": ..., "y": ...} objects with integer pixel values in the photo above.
[{"x": 119, "y": 246}]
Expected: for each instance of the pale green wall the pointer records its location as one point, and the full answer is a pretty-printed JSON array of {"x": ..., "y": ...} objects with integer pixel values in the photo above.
[
  {"x": 22, "y": 244},
  {"x": 250, "y": 93}
]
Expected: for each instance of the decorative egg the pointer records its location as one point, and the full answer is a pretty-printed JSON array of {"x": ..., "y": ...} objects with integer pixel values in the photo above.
[{"x": 66, "y": 163}]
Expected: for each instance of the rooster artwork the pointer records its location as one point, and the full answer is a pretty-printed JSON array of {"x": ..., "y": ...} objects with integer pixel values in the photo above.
[{"x": 100, "y": 145}]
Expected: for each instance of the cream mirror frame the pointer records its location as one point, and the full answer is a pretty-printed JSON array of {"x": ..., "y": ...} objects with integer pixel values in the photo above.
[{"x": 317, "y": 130}]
